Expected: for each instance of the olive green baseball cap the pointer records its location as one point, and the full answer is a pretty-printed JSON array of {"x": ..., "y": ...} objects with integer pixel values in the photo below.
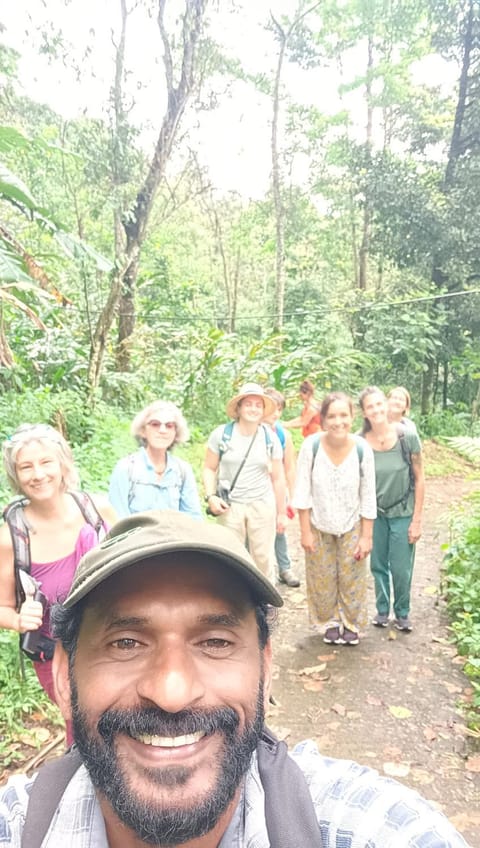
[{"x": 148, "y": 535}]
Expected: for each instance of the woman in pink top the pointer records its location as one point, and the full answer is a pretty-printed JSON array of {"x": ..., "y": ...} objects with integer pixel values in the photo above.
[{"x": 39, "y": 464}]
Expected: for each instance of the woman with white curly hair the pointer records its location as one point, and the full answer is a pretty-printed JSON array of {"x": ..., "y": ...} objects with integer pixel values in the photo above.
[{"x": 152, "y": 478}]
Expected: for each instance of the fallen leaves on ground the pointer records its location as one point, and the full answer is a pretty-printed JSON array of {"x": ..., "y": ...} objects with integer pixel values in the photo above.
[
  {"x": 473, "y": 764},
  {"x": 374, "y": 701},
  {"x": 312, "y": 670},
  {"x": 430, "y": 590},
  {"x": 451, "y": 687},
  {"x": 422, "y": 776},
  {"x": 430, "y": 734},
  {"x": 313, "y": 685},
  {"x": 34, "y": 737},
  {"x": 396, "y": 769},
  {"x": 462, "y": 821},
  {"x": 339, "y": 709},
  {"x": 400, "y": 712},
  {"x": 281, "y": 733},
  {"x": 327, "y": 657},
  {"x": 315, "y": 675}
]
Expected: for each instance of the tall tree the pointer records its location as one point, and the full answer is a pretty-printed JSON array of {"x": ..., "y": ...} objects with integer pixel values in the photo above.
[
  {"x": 179, "y": 67},
  {"x": 284, "y": 33},
  {"x": 463, "y": 157}
]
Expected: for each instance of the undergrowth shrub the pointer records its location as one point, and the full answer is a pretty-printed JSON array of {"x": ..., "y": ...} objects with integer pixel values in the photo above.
[
  {"x": 21, "y": 698},
  {"x": 462, "y": 585}
]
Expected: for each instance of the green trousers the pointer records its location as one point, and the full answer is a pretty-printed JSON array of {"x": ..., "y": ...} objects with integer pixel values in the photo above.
[{"x": 392, "y": 554}]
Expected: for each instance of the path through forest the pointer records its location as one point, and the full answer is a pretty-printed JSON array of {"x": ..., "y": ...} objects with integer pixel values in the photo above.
[{"x": 392, "y": 701}]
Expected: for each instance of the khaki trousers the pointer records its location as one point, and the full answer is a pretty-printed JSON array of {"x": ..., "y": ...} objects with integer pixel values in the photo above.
[{"x": 255, "y": 525}]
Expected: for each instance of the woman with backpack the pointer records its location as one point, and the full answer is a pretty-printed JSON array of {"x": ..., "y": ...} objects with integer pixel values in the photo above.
[
  {"x": 400, "y": 488},
  {"x": 398, "y": 400},
  {"x": 335, "y": 498},
  {"x": 46, "y": 532},
  {"x": 243, "y": 476},
  {"x": 152, "y": 477}
]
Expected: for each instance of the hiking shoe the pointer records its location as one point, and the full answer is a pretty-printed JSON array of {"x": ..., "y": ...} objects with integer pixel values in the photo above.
[
  {"x": 289, "y": 578},
  {"x": 380, "y": 620},
  {"x": 403, "y": 624},
  {"x": 349, "y": 637},
  {"x": 332, "y": 636}
]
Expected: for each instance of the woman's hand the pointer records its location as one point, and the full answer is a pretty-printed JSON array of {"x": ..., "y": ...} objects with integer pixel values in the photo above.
[
  {"x": 30, "y": 616},
  {"x": 306, "y": 541},
  {"x": 363, "y": 548},
  {"x": 282, "y": 522},
  {"x": 217, "y": 505},
  {"x": 414, "y": 531}
]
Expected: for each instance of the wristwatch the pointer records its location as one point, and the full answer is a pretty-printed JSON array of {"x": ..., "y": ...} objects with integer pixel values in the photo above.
[{"x": 207, "y": 497}]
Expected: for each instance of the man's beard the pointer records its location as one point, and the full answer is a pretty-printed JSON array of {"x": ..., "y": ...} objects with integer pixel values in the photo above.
[{"x": 158, "y": 823}]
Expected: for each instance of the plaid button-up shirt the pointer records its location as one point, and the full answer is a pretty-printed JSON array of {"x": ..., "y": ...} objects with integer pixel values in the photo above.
[{"x": 355, "y": 806}]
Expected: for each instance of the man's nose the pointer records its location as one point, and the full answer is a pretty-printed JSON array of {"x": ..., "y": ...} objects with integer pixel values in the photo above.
[{"x": 171, "y": 680}]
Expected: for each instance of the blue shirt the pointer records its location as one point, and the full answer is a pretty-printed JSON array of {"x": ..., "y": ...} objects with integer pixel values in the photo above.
[{"x": 135, "y": 486}]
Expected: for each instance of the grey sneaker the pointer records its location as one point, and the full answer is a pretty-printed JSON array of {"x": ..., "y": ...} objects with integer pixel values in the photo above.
[
  {"x": 403, "y": 624},
  {"x": 332, "y": 636},
  {"x": 349, "y": 637},
  {"x": 380, "y": 620},
  {"x": 289, "y": 578}
]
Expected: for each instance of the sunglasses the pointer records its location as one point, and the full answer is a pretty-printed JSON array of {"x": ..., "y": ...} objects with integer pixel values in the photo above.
[{"x": 157, "y": 425}]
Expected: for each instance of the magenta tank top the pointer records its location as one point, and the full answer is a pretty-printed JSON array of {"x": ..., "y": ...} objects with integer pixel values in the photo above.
[{"x": 56, "y": 577}]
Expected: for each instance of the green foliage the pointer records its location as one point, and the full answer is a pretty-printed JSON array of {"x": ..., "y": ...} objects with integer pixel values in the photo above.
[
  {"x": 462, "y": 586},
  {"x": 449, "y": 423},
  {"x": 466, "y": 446},
  {"x": 21, "y": 697}
]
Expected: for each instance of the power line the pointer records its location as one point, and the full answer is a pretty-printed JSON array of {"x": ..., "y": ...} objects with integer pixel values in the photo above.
[{"x": 364, "y": 307}]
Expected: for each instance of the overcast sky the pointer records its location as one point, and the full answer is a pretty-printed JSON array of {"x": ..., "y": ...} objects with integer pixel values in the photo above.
[{"x": 234, "y": 139}]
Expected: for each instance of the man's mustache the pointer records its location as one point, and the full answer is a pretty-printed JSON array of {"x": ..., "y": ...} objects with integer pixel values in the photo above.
[{"x": 153, "y": 721}]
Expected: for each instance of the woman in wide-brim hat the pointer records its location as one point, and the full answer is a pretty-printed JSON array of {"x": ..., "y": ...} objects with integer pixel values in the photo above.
[{"x": 243, "y": 475}]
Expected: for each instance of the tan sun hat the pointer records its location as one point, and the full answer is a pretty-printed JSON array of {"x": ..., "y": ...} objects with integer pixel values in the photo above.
[
  {"x": 251, "y": 389},
  {"x": 148, "y": 535}
]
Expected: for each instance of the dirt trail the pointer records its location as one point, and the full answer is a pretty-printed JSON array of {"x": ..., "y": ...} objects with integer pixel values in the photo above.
[{"x": 392, "y": 701}]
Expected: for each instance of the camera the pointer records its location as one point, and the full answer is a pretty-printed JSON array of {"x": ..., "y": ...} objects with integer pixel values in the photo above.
[
  {"x": 34, "y": 643},
  {"x": 223, "y": 490}
]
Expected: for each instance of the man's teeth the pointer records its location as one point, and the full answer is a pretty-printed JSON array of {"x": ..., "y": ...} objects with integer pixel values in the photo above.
[{"x": 171, "y": 741}]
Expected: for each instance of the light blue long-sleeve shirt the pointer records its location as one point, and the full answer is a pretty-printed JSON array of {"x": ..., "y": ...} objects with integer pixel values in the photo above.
[{"x": 135, "y": 487}]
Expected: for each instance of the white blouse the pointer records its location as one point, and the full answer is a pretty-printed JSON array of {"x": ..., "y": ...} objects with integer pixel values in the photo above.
[{"x": 337, "y": 495}]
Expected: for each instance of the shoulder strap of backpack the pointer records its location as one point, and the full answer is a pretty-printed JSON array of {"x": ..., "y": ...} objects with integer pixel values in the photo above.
[
  {"x": 359, "y": 446},
  {"x": 132, "y": 458},
  {"x": 315, "y": 447},
  {"x": 47, "y": 790},
  {"x": 268, "y": 440},
  {"x": 281, "y": 435},
  {"x": 89, "y": 512},
  {"x": 226, "y": 436},
  {"x": 406, "y": 453},
  {"x": 290, "y": 815},
  {"x": 14, "y": 516}
]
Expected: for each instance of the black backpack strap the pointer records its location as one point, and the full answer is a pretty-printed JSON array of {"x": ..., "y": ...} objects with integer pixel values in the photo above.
[
  {"x": 89, "y": 512},
  {"x": 45, "y": 795},
  {"x": 289, "y": 812}
]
